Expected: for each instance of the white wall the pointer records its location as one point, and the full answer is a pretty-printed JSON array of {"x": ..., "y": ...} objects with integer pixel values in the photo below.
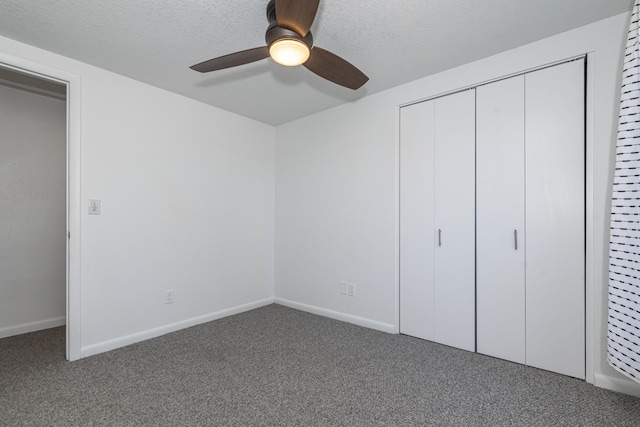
[
  {"x": 187, "y": 204},
  {"x": 336, "y": 189},
  {"x": 32, "y": 211},
  {"x": 335, "y": 213}
]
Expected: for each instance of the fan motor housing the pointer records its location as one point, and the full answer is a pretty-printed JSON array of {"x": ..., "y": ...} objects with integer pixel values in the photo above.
[
  {"x": 275, "y": 32},
  {"x": 271, "y": 11}
]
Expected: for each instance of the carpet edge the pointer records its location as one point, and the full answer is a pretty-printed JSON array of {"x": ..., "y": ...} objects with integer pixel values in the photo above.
[
  {"x": 112, "y": 344},
  {"x": 336, "y": 315}
]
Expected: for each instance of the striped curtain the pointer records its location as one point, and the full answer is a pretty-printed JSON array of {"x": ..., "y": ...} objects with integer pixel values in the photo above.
[{"x": 623, "y": 332}]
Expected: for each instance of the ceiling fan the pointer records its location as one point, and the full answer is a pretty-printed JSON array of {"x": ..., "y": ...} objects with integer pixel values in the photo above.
[{"x": 290, "y": 43}]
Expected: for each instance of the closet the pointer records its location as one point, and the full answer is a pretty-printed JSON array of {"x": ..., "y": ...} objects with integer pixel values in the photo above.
[{"x": 527, "y": 264}]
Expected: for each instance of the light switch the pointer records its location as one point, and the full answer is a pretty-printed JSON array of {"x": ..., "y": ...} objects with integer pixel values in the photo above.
[{"x": 94, "y": 207}]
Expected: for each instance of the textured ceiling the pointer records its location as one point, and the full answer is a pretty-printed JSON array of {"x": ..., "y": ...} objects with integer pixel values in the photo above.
[{"x": 393, "y": 42}]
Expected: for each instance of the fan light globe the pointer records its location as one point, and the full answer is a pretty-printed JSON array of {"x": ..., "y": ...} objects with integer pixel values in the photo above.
[{"x": 289, "y": 52}]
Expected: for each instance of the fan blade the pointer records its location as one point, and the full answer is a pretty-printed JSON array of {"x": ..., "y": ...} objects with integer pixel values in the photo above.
[
  {"x": 335, "y": 69},
  {"x": 232, "y": 60},
  {"x": 296, "y": 15}
]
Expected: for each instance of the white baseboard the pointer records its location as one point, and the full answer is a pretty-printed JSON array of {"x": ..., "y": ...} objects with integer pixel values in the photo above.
[
  {"x": 115, "y": 343},
  {"x": 25, "y": 328},
  {"x": 621, "y": 385},
  {"x": 360, "y": 321}
]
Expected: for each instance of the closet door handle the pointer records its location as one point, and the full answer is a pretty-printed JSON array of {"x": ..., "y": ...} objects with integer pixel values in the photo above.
[
  {"x": 515, "y": 239},
  {"x": 439, "y": 237}
]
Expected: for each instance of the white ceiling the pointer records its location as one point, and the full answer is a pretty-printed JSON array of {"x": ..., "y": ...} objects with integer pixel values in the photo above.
[{"x": 393, "y": 42}]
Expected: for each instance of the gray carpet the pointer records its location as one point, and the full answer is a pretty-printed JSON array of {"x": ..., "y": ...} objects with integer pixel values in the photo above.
[{"x": 279, "y": 367}]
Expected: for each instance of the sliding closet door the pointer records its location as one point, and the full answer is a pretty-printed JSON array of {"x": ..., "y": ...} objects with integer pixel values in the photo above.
[
  {"x": 455, "y": 220},
  {"x": 417, "y": 220},
  {"x": 500, "y": 224},
  {"x": 555, "y": 219}
]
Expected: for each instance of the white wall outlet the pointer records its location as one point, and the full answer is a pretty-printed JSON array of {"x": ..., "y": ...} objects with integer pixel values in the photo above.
[
  {"x": 351, "y": 289},
  {"x": 343, "y": 288},
  {"x": 168, "y": 297},
  {"x": 94, "y": 207}
]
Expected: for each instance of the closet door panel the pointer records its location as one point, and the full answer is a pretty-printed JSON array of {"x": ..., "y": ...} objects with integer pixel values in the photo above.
[
  {"x": 455, "y": 220},
  {"x": 555, "y": 218},
  {"x": 417, "y": 220},
  {"x": 500, "y": 210}
]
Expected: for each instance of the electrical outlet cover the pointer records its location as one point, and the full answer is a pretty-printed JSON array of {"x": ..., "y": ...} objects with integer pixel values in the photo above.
[
  {"x": 168, "y": 297},
  {"x": 351, "y": 290}
]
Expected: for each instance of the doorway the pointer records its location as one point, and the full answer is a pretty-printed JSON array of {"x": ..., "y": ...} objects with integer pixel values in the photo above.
[{"x": 40, "y": 201}]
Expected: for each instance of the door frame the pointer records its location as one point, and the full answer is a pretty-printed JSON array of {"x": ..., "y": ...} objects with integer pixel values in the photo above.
[{"x": 73, "y": 285}]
